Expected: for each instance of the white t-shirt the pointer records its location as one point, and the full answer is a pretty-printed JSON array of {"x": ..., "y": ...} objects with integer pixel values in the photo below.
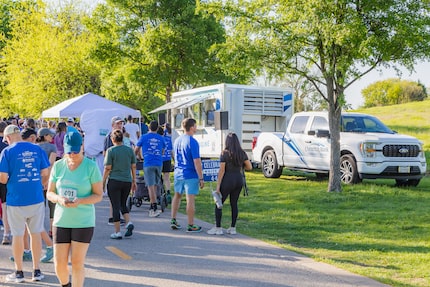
[{"x": 132, "y": 129}]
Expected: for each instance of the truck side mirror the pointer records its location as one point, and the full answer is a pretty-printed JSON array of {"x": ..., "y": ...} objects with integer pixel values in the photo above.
[{"x": 322, "y": 133}]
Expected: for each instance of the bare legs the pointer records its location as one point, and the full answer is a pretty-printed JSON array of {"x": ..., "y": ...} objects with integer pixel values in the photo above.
[{"x": 78, "y": 252}]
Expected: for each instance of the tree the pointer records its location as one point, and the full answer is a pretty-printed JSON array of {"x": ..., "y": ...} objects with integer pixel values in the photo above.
[
  {"x": 393, "y": 92},
  {"x": 327, "y": 42},
  {"x": 46, "y": 59},
  {"x": 149, "y": 48}
]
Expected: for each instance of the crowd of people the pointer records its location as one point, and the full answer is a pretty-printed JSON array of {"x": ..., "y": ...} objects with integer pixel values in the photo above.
[{"x": 50, "y": 157}]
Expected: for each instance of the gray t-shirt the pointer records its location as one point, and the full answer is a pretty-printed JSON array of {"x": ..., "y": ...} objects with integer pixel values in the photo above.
[{"x": 48, "y": 148}]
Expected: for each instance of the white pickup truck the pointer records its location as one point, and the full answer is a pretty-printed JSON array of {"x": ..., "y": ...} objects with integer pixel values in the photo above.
[{"x": 368, "y": 149}]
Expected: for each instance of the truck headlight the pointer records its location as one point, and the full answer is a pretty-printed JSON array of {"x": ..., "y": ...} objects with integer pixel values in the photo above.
[{"x": 368, "y": 149}]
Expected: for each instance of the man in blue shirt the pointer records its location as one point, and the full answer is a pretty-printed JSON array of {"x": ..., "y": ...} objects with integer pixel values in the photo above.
[
  {"x": 153, "y": 146},
  {"x": 188, "y": 174},
  {"x": 24, "y": 168}
]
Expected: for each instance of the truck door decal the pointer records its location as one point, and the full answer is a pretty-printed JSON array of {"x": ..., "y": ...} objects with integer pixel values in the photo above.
[{"x": 295, "y": 149}]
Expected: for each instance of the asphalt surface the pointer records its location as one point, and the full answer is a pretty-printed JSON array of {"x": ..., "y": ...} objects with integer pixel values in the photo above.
[{"x": 158, "y": 256}]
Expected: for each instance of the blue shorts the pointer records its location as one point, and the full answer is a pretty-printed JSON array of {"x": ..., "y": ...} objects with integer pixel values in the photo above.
[
  {"x": 152, "y": 175},
  {"x": 187, "y": 186}
]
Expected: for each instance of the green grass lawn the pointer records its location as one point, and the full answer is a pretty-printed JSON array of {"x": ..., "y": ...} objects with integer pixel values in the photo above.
[{"x": 373, "y": 229}]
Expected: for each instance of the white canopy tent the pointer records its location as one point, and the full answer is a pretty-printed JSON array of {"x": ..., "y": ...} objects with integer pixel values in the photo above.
[{"x": 76, "y": 106}]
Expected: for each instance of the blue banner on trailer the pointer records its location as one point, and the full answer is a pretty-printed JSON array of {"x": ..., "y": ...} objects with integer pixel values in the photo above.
[{"x": 210, "y": 169}]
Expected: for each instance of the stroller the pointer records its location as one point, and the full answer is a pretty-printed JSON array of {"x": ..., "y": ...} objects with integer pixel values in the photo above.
[{"x": 142, "y": 194}]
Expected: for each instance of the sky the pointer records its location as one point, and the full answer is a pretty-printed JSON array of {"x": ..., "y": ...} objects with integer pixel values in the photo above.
[{"x": 353, "y": 93}]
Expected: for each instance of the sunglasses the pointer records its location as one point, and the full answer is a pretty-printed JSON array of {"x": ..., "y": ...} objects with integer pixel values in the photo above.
[{"x": 73, "y": 152}]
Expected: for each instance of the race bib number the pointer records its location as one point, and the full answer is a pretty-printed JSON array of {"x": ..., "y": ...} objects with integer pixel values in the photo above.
[{"x": 69, "y": 193}]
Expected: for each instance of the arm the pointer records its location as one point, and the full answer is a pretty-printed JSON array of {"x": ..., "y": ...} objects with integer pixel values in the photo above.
[
  {"x": 106, "y": 173},
  {"x": 3, "y": 177},
  {"x": 198, "y": 167},
  {"x": 45, "y": 176},
  {"x": 137, "y": 152},
  {"x": 247, "y": 164},
  {"x": 133, "y": 175},
  {"x": 52, "y": 158}
]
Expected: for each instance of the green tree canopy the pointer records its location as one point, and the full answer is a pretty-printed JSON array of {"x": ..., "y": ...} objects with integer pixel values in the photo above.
[
  {"x": 149, "y": 48},
  {"x": 46, "y": 59},
  {"x": 392, "y": 92},
  {"x": 328, "y": 42}
]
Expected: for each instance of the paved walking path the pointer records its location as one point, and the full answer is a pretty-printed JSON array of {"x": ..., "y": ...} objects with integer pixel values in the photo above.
[{"x": 157, "y": 256}]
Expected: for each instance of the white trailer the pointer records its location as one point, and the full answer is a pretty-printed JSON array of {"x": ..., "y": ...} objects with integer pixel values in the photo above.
[{"x": 223, "y": 108}]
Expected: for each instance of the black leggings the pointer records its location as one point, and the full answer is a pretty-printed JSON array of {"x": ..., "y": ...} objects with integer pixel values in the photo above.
[
  {"x": 118, "y": 192},
  {"x": 231, "y": 185}
]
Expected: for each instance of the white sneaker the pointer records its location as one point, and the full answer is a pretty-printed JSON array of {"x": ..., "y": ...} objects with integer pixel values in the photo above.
[
  {"x": 154, "y": 213},
  {"x": 215, "y": 231},
  {"x": 116, "y": 235},
  {"x": 231, "y": 230}
]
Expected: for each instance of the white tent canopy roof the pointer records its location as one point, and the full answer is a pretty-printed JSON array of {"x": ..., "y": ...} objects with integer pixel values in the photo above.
[{"x": 76, "y": 106}]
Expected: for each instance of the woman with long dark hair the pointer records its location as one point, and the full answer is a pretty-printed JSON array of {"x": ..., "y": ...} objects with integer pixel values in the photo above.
[
  {"x": 230, "y": 180},
  {"x": 59, "y": 138}
]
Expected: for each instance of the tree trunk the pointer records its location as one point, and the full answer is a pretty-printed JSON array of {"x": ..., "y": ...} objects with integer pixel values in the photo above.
[{"x": 334, "y": 112}]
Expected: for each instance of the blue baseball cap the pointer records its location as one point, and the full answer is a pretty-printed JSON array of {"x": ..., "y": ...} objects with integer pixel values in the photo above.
[{"x": 72, "y": 142}]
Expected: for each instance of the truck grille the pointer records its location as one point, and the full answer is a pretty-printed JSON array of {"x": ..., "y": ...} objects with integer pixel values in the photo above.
[{"x": 401, "y": 150}]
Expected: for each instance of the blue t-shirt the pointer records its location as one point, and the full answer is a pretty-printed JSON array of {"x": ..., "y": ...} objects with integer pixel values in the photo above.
[
  {"x": 186, "y": 149},
  {"x": 23, "y": 162},
  {"x": 152, "y": 149},
  {"x": 169, "y": 146}
]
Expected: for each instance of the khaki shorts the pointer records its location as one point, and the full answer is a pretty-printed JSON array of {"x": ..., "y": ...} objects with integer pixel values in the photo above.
[{"x": 31, "y": 215}]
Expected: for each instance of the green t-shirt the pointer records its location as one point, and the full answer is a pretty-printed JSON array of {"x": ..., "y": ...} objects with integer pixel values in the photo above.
[
  {"x": 76, "y": 183},
  {"x": 121, "y": 158}
]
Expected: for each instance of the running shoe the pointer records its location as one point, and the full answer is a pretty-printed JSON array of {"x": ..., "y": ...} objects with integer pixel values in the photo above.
[
  {"x": 7, "y": 239},
  {"x": 129, "y": 231},
  {"x": 174, "y": 224},
  {"x": 48, "y": 255},
  {"x": 194, "y": 228},
  {"x": 116, "y": 235},
  {"x": 121, "y": 221},
  {"x": 15, "y": 277},
  {"x": 37, "y": 275},
  {"x": 154, "y": 213},
  {"x": 215, "y": 231},
  {"x": 231, "y": 230}
]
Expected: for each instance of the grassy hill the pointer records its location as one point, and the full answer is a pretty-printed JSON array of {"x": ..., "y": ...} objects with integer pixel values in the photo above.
[{"x": 411, "y": 119}]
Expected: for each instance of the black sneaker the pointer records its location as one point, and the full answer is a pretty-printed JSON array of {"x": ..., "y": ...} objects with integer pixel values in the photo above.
[
  {"x": 121, "y": 221},
  {"x": 37, "y": 275},
  {"x": 16, "y": 277},
  {"x": 194, "y": 228},
  {"x": 174, "y": 224},
  {"x": 129, "y": 231}
]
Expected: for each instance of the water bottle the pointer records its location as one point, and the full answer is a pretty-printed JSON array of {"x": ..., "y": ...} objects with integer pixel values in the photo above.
[{"x": 217, "y": 199}]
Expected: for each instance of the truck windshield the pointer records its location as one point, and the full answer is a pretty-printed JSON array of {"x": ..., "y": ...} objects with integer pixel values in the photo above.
[{"x": 363, "y": 124}]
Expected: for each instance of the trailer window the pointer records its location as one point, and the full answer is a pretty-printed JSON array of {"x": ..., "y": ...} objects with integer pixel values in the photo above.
[
  {"x": 210, "y": 118},
  {"x": 178, "y": 120}
]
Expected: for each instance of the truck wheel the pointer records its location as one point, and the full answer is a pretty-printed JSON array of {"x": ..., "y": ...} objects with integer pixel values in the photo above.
[
  {"x": 269, "y": 165},
  {"x": 348, "y": 170}
]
